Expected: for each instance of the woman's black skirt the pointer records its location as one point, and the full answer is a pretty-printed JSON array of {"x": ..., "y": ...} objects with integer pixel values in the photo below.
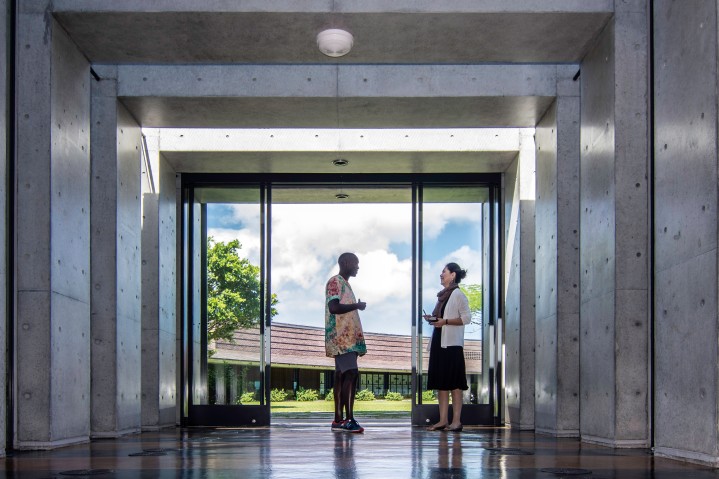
[{"x": 446, "y": 370}]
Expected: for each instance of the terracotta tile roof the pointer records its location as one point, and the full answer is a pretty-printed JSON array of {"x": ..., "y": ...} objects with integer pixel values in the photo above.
[{"x": 304, "y": 347}]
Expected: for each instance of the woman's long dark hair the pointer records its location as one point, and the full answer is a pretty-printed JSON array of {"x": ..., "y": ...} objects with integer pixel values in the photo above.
[{"x": 459, "y": 272}]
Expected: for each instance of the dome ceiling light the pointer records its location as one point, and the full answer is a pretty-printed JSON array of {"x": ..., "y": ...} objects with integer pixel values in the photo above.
[{"x": 335, "y": 42}]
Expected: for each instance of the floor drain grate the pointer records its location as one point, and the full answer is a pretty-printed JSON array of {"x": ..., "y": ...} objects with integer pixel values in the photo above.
[
  {"x": 509, "y": 451},
  {"x": 86, "y": 472},
  {"x": 566, "y": 471}
]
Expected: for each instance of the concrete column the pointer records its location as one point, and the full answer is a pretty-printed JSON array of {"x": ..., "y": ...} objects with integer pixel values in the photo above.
[
  {"x": 614, "y": 368},
  {"x": 5, "y": 158},
  {"x": 5, "y": 125},
  {"x": 53, "y": 235},
  {"x": 115, "y": 262},
  {"x": 159, "y": 289},
  {"x": 557, "y": 262},
  {"x": 686, "y": 308},
  {"x": 519, "y": 186}
]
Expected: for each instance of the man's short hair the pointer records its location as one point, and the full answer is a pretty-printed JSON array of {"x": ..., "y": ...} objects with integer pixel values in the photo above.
[{"x": 344, "y": 257}]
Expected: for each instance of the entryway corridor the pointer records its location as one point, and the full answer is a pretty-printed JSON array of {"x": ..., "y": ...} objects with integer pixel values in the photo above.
[{"x": 389, "y": 448}]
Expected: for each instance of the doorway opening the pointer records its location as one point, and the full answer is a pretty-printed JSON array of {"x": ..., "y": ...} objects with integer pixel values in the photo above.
[{"x": 257, "y": 254}]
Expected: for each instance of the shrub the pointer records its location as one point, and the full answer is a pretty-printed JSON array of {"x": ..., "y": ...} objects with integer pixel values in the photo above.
[
  {"x": 278, "y": 395},
  {"x": 393, "y": 396},
  {"x": 247, "y": 397},
  {"x": 428, "y": 396},
  {"x": 307, "y": 395},
  {"x": 330, "y": 396},
  {"x": 364, "y": 395}
]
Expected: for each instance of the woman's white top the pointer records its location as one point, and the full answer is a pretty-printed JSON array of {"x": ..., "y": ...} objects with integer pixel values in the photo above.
[{"x": 457, "y": 307}]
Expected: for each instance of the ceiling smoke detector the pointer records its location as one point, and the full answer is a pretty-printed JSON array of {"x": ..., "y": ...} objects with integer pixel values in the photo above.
[
  {"x": 342, "y": 196},
  {"x": 340, "y": 162},
  {"x": 335, "y": 42}
]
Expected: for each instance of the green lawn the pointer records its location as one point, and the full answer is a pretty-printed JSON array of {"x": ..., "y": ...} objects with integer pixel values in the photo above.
[{"x": 323, "y": 406}]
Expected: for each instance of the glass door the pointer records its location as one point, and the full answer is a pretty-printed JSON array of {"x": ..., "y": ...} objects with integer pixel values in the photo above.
[
  {"x": 312, "y": 224},
  {"x": 455, "y": 224},
  {"x": 226, "y": 336},
  {"x": 256, "y": 257}
]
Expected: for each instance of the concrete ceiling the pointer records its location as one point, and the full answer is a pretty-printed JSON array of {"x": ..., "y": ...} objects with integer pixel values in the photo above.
[
  {"x": 282, "y": 32},
  {"x": 421, "y": 37}
]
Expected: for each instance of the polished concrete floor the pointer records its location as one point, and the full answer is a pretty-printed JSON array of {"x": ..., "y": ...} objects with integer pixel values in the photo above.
[{"x": 308, "y": 449}]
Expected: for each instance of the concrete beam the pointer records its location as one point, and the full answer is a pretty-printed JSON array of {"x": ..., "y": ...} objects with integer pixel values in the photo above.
[
  {"x": 344, "y": 6},
  {"x": 331, "y": 96},
  {"x": 313, "y": 150},
  {"x": 336, "y": 140},
  {"x": 333, "y": 81}
]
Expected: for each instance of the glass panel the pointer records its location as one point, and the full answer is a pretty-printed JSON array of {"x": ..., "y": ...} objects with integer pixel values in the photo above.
[
  {"x": 228, "y": 350},
  {"x": 452, "y": 226},
  {"x": 311, "y": 227}
]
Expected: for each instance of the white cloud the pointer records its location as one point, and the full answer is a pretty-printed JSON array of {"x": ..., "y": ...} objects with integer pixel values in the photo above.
[
  {"x": 436, "y": 216},
  {"x": 307, "y": 239}
]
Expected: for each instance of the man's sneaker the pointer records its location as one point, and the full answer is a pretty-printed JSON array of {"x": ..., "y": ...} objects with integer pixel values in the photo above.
[
  {"x": 338, "y": 425},
  {"x": 353, "y": 426}
]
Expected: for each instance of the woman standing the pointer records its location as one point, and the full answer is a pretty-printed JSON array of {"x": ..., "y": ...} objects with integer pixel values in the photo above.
[{"x": 446, "y": 370}]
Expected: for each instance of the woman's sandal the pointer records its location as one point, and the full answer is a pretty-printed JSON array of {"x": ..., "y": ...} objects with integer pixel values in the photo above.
[
  {"x": 437, "y": 427},
  {"x": 455, "y": 429}
]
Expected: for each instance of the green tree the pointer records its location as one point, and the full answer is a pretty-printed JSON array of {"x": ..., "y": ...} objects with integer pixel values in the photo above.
[
  {"x": 233, "y": 291},
  {"x": 474, "y": 295}
]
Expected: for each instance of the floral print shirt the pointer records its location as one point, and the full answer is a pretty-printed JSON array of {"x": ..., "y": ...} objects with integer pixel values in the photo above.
[{"x": 343, "y": 332}]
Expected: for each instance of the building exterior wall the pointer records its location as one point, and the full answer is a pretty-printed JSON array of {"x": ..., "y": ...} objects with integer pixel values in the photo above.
[{"x": 685, "y": 230}]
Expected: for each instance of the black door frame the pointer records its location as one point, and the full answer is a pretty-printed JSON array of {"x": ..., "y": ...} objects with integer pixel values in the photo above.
[{"x": 248, "y": 415}]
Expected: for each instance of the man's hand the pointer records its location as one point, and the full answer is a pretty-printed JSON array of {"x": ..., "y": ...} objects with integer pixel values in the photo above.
[{"x": 336, "y": 308}]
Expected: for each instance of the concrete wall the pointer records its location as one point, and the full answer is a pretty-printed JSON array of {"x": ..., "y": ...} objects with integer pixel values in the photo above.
[
  {"x": 5, "y": 158},
  {"x": 557, "y": 263},
  {"x": 686, "y": 203},
  {"x": 53, "y": 236},
  {"x": 614, "y": 366},
  {"x": 168, "y": 285},
  {"x": 519, "y": 286},
  {"x": 159, "y": 293},
  {"x": 115, "y": 270}
]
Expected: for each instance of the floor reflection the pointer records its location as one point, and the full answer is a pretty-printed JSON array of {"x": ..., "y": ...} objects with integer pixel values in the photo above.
[
  {"x": 449, "y": 458},
  {"x": 344, "y": 461},
  {"x": 312, "y": 450}
]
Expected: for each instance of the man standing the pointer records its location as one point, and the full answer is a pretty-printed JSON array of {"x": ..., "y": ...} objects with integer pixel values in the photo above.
[{"x": 344, "y": 340}]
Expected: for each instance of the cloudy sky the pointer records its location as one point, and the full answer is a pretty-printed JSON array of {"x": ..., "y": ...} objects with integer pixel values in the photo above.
[{"x": 308, "y": 238}]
